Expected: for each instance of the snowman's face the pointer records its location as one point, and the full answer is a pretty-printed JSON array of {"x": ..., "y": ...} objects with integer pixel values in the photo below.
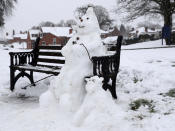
[{"x": 88, "y": 23}]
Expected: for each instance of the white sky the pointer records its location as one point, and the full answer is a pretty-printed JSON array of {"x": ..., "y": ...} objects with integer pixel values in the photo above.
[{"x": 32, "y": 12}]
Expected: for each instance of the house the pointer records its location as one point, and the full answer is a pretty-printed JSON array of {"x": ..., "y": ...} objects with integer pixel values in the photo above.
[
  {"x": 49, "y": 36},
  {"x": 55, "y": 35},
  {"x": 114, "y": 32},
  {"x": 19, "y": 38},
  {"x": 31, "y": 37},
  {"x": 141, "y": 31}
]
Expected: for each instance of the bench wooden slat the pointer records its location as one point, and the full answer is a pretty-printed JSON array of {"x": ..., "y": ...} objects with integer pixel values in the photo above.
[
  {"x": 50, "y": 47},
  {"x": 49, "y": 66},
  {"x": 51, "y": 60},
  {"x": 38, "y": 69},
  {"x": 50, "y": 53}
]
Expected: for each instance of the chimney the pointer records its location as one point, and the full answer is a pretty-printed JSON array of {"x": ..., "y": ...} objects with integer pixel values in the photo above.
[
  {"x": 70, "y": 31},
  {"x": 13, "y": 32},
  {"x": 146, "y": 29}
]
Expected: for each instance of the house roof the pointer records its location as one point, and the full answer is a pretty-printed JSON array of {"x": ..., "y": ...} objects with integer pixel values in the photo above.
[
  {"x": 57, "y": 31},
  {"x": 141, "y": 30},
  {"x": 22, "y": 36},
  {"x": 34, "y": 32},
  {"x": 9, "y": 37}
]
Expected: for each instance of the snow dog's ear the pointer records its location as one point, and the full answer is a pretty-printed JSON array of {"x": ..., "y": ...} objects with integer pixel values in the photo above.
[{"x": 90, "y": 11}]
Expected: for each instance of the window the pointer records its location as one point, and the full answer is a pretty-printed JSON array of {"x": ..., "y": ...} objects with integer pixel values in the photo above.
[
  {"x": 34, "y": 35},
  {"x": 43, "y": 43},
  {"x": 33, "y": 45},
  {"x": 54, "y": 41}
]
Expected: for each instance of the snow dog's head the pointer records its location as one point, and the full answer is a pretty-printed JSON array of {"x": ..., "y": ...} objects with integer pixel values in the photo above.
[
  {"x": 94, "y": 84},
  {"x": 88, "y": 23}
]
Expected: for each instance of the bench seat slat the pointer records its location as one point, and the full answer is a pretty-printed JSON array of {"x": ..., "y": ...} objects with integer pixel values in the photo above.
[
  {"x": 49, "y": 66},
  {"x": 38, "y": 69},
  {"x": 50, "y": 47},
  {"x": 50, "y": 54},
  {"x": 51, "y": 60}
]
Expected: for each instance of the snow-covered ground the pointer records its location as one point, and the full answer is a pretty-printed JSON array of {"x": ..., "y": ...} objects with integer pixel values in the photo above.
[{"x": 145, "y": 76}]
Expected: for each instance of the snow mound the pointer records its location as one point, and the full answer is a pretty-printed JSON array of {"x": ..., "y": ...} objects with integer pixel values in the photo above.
[{"x": 98, "y": 110}]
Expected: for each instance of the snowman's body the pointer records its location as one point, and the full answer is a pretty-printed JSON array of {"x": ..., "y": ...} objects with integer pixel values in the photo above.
[{"x": 68, "y": 87}]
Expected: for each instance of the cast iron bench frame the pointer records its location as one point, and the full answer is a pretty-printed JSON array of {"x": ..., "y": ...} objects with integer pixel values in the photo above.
[
  {"x": 28, "y": 61},
  {"x": 103, "y": 66}
]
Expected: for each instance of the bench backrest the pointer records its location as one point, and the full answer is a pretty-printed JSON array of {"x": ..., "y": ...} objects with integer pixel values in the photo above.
[{"x": 47, "y": 55}]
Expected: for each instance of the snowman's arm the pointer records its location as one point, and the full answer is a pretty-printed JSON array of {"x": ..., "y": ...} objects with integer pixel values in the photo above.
[
  {"x": 67, "y": 48},
  {"x": 78, "y": 49}
]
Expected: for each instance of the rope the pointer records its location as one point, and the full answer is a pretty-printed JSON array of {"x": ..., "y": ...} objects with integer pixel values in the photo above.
[
  {"x": 87, "y": 51},
  {"x": 36, "y": 82}
]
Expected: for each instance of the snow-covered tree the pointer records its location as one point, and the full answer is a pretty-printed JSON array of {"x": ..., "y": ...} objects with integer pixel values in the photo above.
[
  {"x": 137, "y": 8},
  {"x": 149, "y": 24},
  {"x": 102, "y": 15},
  {"x": 6, "y": 7},
  {"x": 70, "y": 22},
  {"x": 47, "y": 24}
]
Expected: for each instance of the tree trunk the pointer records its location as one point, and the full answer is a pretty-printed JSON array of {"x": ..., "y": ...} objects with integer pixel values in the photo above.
[{"x": 168, "y": 22}]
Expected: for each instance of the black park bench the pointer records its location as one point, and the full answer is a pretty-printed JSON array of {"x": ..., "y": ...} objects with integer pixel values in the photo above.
[
  {"x": 43, "y": 59},
  {"x": 40, "y": 57}
]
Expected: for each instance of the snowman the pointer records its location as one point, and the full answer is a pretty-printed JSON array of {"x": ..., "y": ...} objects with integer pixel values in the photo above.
[{"x": 69, "y": 87}]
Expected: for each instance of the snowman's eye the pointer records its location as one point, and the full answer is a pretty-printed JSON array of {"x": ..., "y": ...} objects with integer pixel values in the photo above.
[
  {"x": 78, "y": 38},
  {"x": 87, "y": 18}
]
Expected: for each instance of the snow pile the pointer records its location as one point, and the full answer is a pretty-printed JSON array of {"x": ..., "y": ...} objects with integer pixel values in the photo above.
[
  {"x": 68, "y": 87},
  {"x": 98, "y": 111},
  {"x": 146, "y": 76}
]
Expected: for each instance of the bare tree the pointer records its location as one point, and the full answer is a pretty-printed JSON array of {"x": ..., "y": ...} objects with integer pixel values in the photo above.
[
  {"x": 102, "y": 15},
  {"x": 61, "y": 24},
  {"x": 70, "y": 22},
  {"x": 47, "y": 24},
  {"x": 149, "y": 24},
  {"x": 6, "y": 7}
]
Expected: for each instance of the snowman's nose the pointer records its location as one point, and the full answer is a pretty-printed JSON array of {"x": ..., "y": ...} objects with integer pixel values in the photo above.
[{"x": 81, "y": 19}]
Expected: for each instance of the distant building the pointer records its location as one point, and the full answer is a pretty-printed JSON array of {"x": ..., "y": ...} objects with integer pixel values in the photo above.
[
  {"x": 144, "y": 31},
  {"x": 31, "y": 37},
  {"x": 49, "y": 36},
  {"x": 55, "y": 35},
  {"x": 114, "y": 32}
]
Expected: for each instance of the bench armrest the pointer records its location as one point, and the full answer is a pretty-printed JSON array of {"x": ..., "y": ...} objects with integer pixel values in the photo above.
[
  {"x": 105, "y": 65},
  {"x": 20, "y": 58}
]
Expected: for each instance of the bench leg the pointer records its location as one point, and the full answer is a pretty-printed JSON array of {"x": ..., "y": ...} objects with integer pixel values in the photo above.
[
  {"x": 31, "y": 78},
  {"x": 112, "y": 88},
  {"x": 12, "y": 79}
]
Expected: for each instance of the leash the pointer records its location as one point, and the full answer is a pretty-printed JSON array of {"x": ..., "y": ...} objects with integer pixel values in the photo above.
[
  {"x": 87, "y": 52},
  {"x": 25, "y": 87}
]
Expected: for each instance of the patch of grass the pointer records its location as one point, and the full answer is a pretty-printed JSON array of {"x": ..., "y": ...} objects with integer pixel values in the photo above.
[
  {"x": 135, "y": 105},
  {"x": 136, "y": 79},
  {"x": 170, "y": 93},
  {"x": 167, "y": 113}
]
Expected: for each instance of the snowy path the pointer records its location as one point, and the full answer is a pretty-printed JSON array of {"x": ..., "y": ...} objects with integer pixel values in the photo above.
[{"x": 144, "y": 74}]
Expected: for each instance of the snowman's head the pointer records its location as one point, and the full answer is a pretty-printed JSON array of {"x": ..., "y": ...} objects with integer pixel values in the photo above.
[{"x": 88, "y": 23}]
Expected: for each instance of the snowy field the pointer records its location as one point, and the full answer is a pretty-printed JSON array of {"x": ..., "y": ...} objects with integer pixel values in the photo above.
[{"x": 146, "y": 99}]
